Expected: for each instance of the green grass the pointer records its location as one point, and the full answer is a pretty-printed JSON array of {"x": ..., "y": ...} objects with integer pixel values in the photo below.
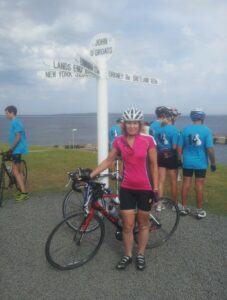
[
  {"x": 48, "y": 170},
  {"x": 48, "y": 167}
]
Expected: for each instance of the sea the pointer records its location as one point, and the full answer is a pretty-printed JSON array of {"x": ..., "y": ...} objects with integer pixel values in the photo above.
[{"x": 58, "y": 130}]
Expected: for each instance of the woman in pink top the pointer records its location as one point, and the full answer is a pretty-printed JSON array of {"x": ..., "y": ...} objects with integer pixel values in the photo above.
[{"x": 139, "y": 157}]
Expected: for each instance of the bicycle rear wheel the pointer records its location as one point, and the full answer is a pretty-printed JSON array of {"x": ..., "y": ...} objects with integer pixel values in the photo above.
[
  {"x": 24, "y": 172},
  {"x": 67, "y": 248},
  {"x": 164, "y": 218},
  {"x": 73, "y": 202}
]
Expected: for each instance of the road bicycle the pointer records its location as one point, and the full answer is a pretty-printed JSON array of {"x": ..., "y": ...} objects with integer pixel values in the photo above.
[
  {"x": 77, "y": 238},
  {"x": 7, "y": 179}
]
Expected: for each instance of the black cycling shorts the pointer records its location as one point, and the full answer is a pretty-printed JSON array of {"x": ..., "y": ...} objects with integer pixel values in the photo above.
[
  {"x": 16, "y": 158},
  {"x": 167, "y": 161},
  {"x": 132, "y": 199},
  {"x": 199, "y": 173}
]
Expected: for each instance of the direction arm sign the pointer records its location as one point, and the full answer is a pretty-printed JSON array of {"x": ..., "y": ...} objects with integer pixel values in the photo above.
[
  {"x": 132, "y": 77},
  {"x": 62, "y": 69}
]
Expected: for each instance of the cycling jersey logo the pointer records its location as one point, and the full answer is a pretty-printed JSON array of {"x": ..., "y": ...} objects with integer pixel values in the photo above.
[
  {"x": 195, "y": 140},
  {"x": 162, "y": 139}
]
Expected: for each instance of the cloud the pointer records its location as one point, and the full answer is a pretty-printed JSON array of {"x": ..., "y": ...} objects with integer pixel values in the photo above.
[{"x": 182, "y": 43}]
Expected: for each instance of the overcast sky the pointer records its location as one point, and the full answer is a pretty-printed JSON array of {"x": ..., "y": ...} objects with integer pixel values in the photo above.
[{"x": 182, "y": 43}]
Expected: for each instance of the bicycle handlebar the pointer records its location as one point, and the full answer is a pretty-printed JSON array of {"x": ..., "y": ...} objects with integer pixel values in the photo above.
[
  {"x": 78, "y": 176},
  {"x": 6, "y": 156}
]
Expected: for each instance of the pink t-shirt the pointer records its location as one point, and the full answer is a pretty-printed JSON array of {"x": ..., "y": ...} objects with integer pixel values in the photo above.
[{"x": 136, "y": 174}]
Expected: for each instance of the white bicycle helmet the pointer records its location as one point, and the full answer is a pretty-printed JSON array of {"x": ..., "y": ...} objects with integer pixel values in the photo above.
[{"x": 133, "y": 115}]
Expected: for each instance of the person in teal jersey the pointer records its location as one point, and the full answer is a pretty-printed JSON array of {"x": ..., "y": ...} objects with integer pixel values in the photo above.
[
  {"x": 166, "y": 137},
  {"x": 160, "y": 112},
  {"x": 115, "y": 131},
  {"x": 18, "y": 146},
  {"x": 196, "y": 146}
]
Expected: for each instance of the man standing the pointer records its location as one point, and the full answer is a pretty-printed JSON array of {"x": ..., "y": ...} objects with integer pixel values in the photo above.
[
  {"x": 196, "y": 145},
  {"x": 18, "y": 146}
]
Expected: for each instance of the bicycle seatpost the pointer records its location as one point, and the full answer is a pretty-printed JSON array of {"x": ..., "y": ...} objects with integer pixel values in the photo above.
[{"x": 117, "y": 175}]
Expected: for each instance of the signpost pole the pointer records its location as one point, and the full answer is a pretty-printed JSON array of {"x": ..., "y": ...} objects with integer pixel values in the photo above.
[
  {"x": 101, "y": 49},
  {"x": 102, "y": 112}
]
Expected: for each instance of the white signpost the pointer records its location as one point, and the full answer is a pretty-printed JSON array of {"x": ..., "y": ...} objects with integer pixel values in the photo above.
[{"x": 101, "y": 49}]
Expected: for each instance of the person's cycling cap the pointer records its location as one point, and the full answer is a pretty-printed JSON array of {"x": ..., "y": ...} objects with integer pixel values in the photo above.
[
  {"x": 133, "y": 114},
  {"x": 197, "y": 114}
]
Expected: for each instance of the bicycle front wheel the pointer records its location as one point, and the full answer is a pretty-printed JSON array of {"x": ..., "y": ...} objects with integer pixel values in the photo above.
[
  {"x": 23, "y": 172},
  {"x": 164, "y": 218},
  {"x": 67, "y": 248}
]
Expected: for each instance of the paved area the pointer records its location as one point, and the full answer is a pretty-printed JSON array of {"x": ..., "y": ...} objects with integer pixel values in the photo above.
[{"x": 191, "y": 265}]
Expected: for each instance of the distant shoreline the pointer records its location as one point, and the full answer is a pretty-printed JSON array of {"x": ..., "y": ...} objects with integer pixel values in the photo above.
[{"x": 94, "y": 113}]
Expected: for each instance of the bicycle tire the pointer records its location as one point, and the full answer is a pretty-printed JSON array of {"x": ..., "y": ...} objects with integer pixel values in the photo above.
[
  {"x": 62, "y": 249},
  {"x": 73, "y": 202},
  {"x": 164, "y": 225},
  {"x": 24, "y": 171},
  {"x": 2, "y": 173}
]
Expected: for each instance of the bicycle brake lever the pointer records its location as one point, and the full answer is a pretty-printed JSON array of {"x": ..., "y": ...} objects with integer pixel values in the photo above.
[{"x": 70, "y": 180}]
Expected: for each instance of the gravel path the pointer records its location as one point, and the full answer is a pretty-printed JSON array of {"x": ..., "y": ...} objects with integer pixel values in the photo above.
[{"x": 191, "y": 265}]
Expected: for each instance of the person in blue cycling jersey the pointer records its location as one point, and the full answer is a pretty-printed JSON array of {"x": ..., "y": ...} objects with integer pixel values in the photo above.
[
  {"x": 196, "y": 146},
  {"x": 166, "y": 137},
  {"x": 175, "y": 113},
  {"x": 18, "y": 146},
  {"x": 115, "y": 131},
  {"x": 160, "y": 112}
]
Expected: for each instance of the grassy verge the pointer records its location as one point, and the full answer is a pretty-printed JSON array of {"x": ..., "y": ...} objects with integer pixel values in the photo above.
[{"x": 48, "y": 167}]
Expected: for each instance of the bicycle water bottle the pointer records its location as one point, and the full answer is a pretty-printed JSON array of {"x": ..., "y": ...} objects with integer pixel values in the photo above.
[
  {"x": 114, "y": 212},
  {"x": 113, "y": 209}
]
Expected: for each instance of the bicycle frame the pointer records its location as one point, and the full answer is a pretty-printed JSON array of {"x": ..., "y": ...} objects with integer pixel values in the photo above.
[
  {"x": 96, "y": 206},
  {"x": 9, "y": 173},
  {"x": 104, "y": 212}
]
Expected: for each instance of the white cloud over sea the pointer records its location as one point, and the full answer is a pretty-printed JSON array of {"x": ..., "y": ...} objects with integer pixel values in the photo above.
[{"x": 183, "y": 43}]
